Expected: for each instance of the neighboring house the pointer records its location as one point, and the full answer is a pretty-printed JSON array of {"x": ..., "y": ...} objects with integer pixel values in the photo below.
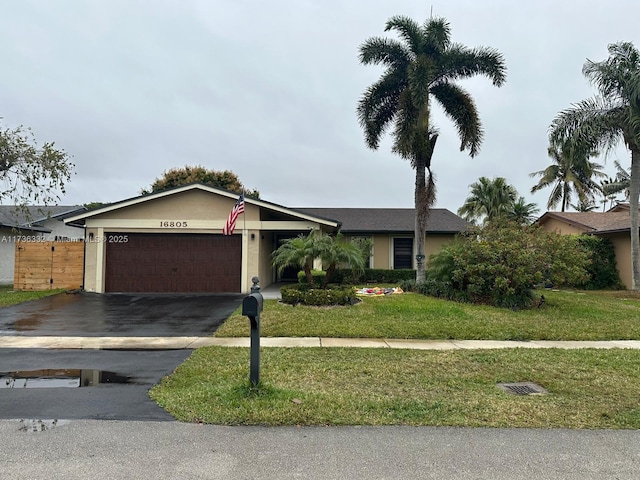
[
  {"x": 35, "y": 224},
  {"x": 614, "y": 224},
  {"x": 172, "y": 241}
]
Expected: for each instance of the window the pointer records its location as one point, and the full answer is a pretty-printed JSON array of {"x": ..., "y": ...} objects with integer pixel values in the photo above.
[{"x": 402, "y": 253}]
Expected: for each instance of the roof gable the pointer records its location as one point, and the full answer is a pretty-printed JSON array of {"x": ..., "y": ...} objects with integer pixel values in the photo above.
[
  {"x": 143, "y": 199},
  {"x": 593, "y": 222}
]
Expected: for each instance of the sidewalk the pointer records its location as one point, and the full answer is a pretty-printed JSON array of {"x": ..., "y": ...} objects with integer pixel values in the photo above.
[{"x": 173, "y": 343}]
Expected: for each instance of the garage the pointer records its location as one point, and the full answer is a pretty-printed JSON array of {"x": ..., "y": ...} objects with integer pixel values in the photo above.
[{"x": 172, "y": 263}]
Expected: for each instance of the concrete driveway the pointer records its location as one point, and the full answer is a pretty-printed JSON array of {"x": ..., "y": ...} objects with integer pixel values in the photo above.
[{"x": 124, "y": 315}]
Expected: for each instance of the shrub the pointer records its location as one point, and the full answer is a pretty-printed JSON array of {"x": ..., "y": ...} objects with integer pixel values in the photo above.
[
  {"x": 373, "y": 275},
  {"x": 501, "y": 264},
  {"x": 302, "y": 293},
  {"x": 317, "y": 275},
  {"x": 602, "y": 269}
]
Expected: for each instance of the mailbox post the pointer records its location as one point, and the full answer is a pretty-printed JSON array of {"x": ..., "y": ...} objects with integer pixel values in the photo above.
[{"x": 251, "y": 307}]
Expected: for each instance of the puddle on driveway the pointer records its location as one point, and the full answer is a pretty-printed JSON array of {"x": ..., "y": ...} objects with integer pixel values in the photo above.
[{"x": 60, "y": 378}]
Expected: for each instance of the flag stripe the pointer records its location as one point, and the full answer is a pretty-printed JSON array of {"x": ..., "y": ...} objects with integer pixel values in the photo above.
[{"x": 230, "y": 224}]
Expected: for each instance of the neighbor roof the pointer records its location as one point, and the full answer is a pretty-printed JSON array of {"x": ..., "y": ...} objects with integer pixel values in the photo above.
[
  {"x": 31, "y": 217},
  {"x": 593, "y": 222},
  {"x": 362, "y": 220}
]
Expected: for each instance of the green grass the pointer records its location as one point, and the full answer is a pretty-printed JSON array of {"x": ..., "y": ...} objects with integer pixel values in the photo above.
[
  {"x": 9, "y": 297},
  {"x": 564, "y": 316},
  {"x": 323, "y": 386}
]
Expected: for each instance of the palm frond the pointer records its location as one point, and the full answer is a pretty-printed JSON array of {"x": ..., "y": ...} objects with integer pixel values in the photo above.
[
  {"x": 384, "y": 51},
  {"x": 461, "y": 109},
  {"x": 407, "y": 29},
  {"x": 461, "y": 62}
]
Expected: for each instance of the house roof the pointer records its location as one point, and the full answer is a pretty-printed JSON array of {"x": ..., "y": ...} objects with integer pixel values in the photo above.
[
  {"x": 31, "y": 217},
  {"x": 593, "y": 222},
  {"x": 79, "y": 219},
  {"x": 361, "y": 220}
]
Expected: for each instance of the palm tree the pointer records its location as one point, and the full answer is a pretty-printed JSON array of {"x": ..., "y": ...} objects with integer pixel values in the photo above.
[
  {"x": 602, "y": 121},
  {"x": 571, "y": 171},
  {"x": 298, "y": 252},
  {"x": 588, "y": 206},
  {"x": 421, "y": 66},
  {"x": 489, "y": 200},
  {"x": 523, "y": 213},
  {"x": 333, "y": 251},
  {"x": 620, "y": 183}
]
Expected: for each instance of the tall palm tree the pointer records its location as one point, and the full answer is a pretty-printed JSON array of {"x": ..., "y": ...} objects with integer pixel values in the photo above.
[
  {"x": 620, "y": 183},
  {"x": 489, "y": 200},
  {"x": 588, "y": 206},
  {"x": 571, "y": 171},
  {"x": 612, "y": 115},
  {"x": 421, "y": 66},
  {"x": 522, "y": 212}
]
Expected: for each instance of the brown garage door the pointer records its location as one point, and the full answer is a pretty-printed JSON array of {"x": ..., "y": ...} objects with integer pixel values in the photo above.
[{"x": 167, "y": 263}]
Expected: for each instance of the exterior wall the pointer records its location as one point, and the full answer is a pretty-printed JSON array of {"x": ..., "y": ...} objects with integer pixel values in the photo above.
[
  {"x": 435, "y": 241},
  {"x": 622, "y": 246},
  {"x": 7, "y": 255},
  {"x": 381, "y": 251},
  {"x": 383, "y": 247},
  {"x": 266, "y": 271},
  {"x": 555, "y": 225}
]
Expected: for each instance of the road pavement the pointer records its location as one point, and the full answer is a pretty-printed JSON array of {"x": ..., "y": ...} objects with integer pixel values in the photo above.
[{"x": 113, "y": 450}]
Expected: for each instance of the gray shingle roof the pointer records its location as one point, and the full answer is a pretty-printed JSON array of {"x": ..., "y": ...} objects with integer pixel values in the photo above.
[
  {"x": 360, "y": 220},
  {"x": 10, "y": 216}
]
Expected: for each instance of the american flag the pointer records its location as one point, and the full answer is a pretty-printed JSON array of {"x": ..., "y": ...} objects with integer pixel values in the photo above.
[{"x": 237, "y": 209}]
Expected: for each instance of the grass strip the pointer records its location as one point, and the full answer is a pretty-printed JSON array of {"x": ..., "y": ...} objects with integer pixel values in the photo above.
[
  {"x": 316, "y": 386},
  {"x": 565, "y": 315},
  {"x": 10, "y": 297}
]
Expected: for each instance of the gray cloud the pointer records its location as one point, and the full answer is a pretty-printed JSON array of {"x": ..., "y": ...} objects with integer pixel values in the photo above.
[{"x": 269, "y": 90}]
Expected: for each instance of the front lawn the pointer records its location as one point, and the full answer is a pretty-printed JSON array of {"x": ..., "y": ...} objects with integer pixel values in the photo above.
[
  {"x": 9, "y": 297},
  {"x": 336, "y": 386},
  {"x": 565, "y": 315}
]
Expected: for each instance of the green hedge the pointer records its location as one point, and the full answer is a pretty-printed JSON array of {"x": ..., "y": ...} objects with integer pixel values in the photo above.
[
  {"x": 372, "y": 275},
  {"x": 318, "y": 277},
  {"x": 302, "y": 293},
  {"x": 602, "y": 269}
]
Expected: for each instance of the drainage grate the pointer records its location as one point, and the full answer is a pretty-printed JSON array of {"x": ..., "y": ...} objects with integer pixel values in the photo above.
[{"x": 522, "y": 388}]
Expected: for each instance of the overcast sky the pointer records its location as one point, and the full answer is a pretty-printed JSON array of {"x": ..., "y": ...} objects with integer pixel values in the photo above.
[{"x": 269, "y": 90}]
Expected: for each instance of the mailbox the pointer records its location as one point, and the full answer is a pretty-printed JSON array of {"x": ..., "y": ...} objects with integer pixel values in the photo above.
[{"x": 252, "y": 305}]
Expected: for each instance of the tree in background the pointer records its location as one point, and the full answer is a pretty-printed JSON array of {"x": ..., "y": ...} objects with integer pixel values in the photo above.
[
  {"x": 491, "y": 200},
  {"x": 30, "y": 174},
  {"x": 177, "y": 177},
  {"x": 620, "y": 183},
  {"x": 599, "y": 123},
  {"x": 423, "y": 66},
  {"x": 588, "y": 206},
  {"x": 523, "y": 213},
  {"x": 571, "y": 172}
]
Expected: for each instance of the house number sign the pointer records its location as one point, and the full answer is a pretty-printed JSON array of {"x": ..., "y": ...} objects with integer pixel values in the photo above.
[{"x": 173, "y": 224}]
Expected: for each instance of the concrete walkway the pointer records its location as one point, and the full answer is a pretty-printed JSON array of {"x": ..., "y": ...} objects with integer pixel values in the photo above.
[{"x": 170, "y": 343}]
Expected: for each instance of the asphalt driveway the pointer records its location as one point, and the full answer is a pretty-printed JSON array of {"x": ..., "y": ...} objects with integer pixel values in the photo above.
[
  {"x": 114, "y": 315},
  {"x": 109, "y": 384}
]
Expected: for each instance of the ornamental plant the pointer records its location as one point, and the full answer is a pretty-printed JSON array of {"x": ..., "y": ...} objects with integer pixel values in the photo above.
[{"x": 501, "y": 263}]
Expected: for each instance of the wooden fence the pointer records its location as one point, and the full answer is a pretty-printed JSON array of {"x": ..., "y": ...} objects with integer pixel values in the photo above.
[{"x": 48, "y": 265}]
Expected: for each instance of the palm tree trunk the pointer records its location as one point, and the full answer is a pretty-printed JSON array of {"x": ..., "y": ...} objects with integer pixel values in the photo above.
[
  {"x": 634, "y": 193},
  {"x": 422, "y": 214}
]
